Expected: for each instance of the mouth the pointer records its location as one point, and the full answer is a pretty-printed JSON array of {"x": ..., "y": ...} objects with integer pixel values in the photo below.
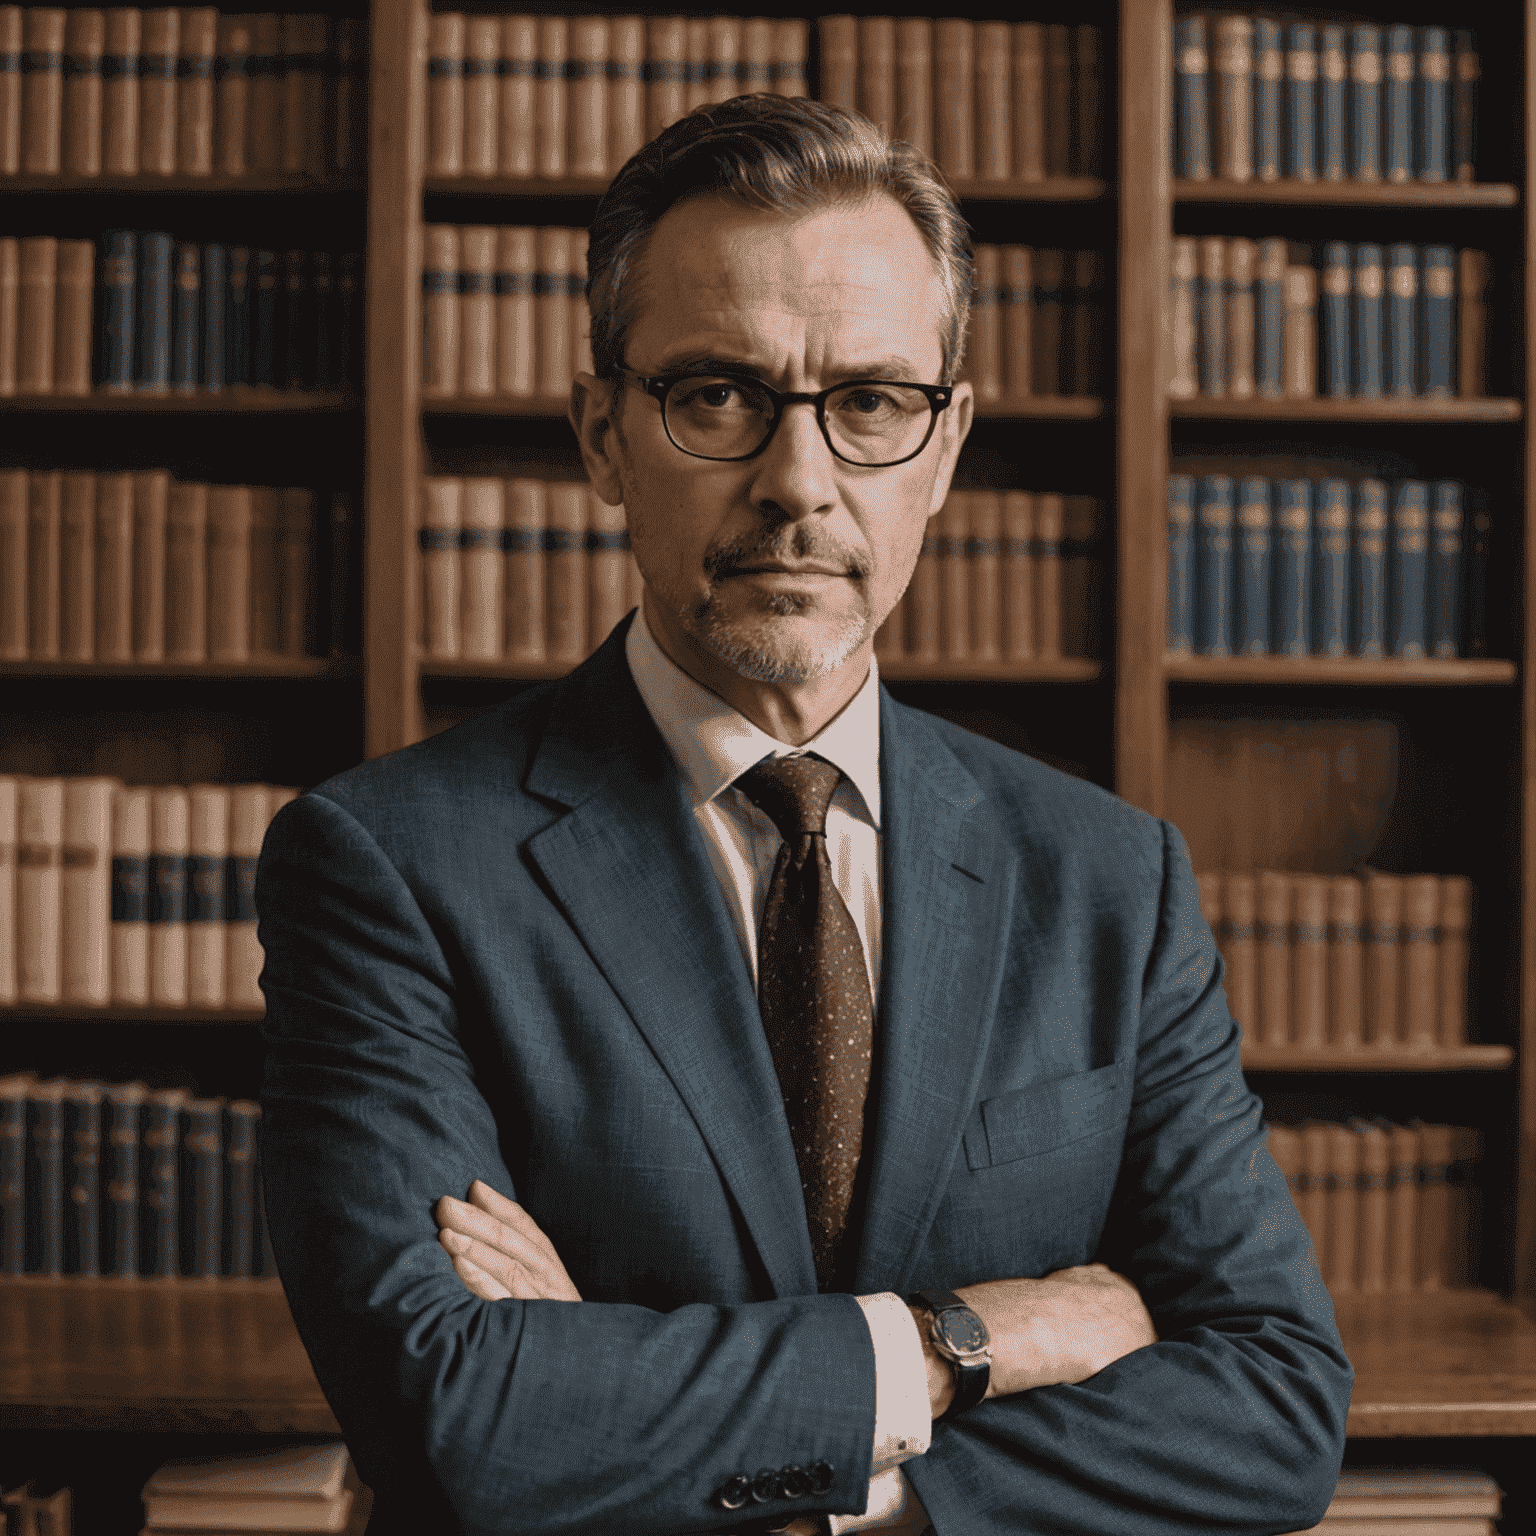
[{"x": 785, "y": 570}]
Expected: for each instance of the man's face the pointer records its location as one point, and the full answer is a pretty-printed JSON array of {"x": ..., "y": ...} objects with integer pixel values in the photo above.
[{"x": 781, "y": 566}]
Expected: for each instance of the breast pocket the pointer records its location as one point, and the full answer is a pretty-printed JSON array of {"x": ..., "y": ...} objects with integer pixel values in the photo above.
[{"x": 1044, "y": 1117}]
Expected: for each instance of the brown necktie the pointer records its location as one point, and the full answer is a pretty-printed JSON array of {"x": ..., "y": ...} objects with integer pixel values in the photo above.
[{"x": 813, "y": 993}]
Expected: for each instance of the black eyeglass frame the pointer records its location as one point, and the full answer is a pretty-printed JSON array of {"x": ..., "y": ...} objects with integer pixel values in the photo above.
[{"x": 658, "y": 387}]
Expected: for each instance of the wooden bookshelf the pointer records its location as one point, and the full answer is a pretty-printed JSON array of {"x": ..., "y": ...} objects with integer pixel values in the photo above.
[
  {"x": 1054, "y": 189},
  {"x": 1052, "y": 669},
  {"x": 1347, "y": 671},
  {"x": 261, "y": 183},
  {"x": 285, "y": 668},
  {"x": 241, "y": 401},
  {"x": 1347, "y": 411},
  {"x": 1301, "y": 1058},
  {"x": 1362, "y": 194}
]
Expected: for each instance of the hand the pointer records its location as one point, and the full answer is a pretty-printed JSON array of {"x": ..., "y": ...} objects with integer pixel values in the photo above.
[{"x": 499, "y": 1251}]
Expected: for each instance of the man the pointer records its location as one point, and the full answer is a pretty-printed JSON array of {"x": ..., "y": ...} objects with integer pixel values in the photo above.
[{"x": 640, "y": 1050}]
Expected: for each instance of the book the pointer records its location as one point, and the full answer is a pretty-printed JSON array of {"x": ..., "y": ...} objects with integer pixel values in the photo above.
[
  {"x": 42, "y": 91},
  {"x": 1336, "y": 321},
  {"x": 477, "y": 310},
  {"x": 1332, "y": 75},
  {"x": 1420, "y": 953},
  {"x": 208, "y": 843},
  {"x": 516, "y": 264},
  {"x": 1045, "y": 559},
  {"x": 264, "y": 287},
  {"x": 1181, "y": 565},
  {"x": 1300, "y": 332},
  {"x": 1232, "y": 119},
  {"x": 129, "y": 967},
  {"x": 77, "y": 560},
  {"x": 232, "y": 95},
  {"x": 1402, "y": 362},
  {"x": 983, "y": 359},
  {"x": 438, "y": 540},
  {"x": 723, "y": 58},
  {"x": 124, "y": 1104},
  {"x": 554, "y": 310},
  {"x": 516, "y": 71},
  {"x": 994, "y": 121},
  {"x": 296, "y": 557},
  {"x": 626, "y": 81},
  {"x": 194, "y": 91},
  {"x": 790, "y": 42},
  {"x": 1473, "y": 273},
  {"x": 238, "y": 362},
  {"x": 1437, "y": 319},
  {"x": 984, "y": 560},
  {"x": 1292, "y": 576},
  {"x": 1309, "y": 962},
  {"x": 1383, "y": 918},
  {"x": 1408, "y": 571},
  {"x": 1312, "y": 1193},
  {"x": 1345, "y": 976},
  {"x": 1213, "y": 598},
  {"x": 954, "y": 577},
  {"x": 1183, "y": 277},
  {"x": 1399, "y": 71},
  {"x": 565, "y": 591},
  {"x": 1374, "y": 1177},
  {"x": 1402, "y": 1207},
  {"x": 523, "y": 571},
  {"x": 74, "y": 292},
  {"x": 45, "y": 494},
  {"x": 479, "y": 138},
  {"x": 152, "y": 313},
  {"x": 1329, "y": 625},
  {"x": 10, "y": 90},
  {"x": 1456, "y": 898},
  {"x": 82, "y": 1178},
  {"x": 36, "y": 312},
  {"x": 85, "y": 36},
  {"x": 1367, "y": 352},
  {"x": 587, "y": 96},
  {"x": 1300, "y": 101},
  {"x": 549, "y": 96},
  {"x": 10, "y": 282},
  {"x": 1081, "y": 570},
  {"x": 85, "y": 905},
  {"x": 1368, "y": 570},
  {"x": 1016, "y": 576},
  {"x": 1273, "y": 955},
  {"x": 348, "y": 95},
  {"x": 159, "y": 43},
  {"x": 483, "y": 514},
  {"x": 14, "y": 629},
  {"x": 8, "y": 978},
  {"x": 249, "y": 813},
  {"x": 666, "y": 71},
  {"x": 1479, "y": 534},
  {"x": 186, "y": 319},
  {"x": 186, "y": 568},
  {"x": 13, "y": 1145},
  {"x": 1241, "y": 321},
  {"x": 1269, "y": 319},
  {"x": 297, "y": 1488},
  {"x": 1192, "y": 139},
  {"x": 44, "y": 1197},
  {"x": 169, "y": 844},
  {"x": 1365, "y": 103},
  {"x": 151, "y": 497},
  {"x": 1407, "y": 1493},
  {"x": 202, "y": 1179},
  {"x": 1211, "y": 313},
  {"x": 954, "y": 97},
  {"x": 1446, "y": 570},
  {"x": 120, "y": 92},
  {"x": 1046, "y": 328},
  {"x": 1027, "y": 97},
  {"x": 160, "y": 1201},
  {"x": 1088, "y": 118},
  {"x": 239, "y": 1191},
  {"x": 440, "y": 311},
  {"x": 293, "y": 367},
  {"x": 445, "y": 94},
  {"x": 1058, "y": 100},
  {"x": 1431, "y": 105},
  {"x": 1015, "y": 307},
  {"x": 1463, "y": 124},
  {"x": 1240, "y": 914}
]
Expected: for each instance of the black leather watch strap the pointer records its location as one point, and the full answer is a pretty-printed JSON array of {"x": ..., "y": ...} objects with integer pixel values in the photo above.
[{"x": 971, "y": 1376}]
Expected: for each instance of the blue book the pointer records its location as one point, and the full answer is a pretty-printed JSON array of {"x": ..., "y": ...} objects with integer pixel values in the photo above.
[
  {"x": 1368, "y": 571},
  {"x": 1479, "y": 534},
  {"x": 119, "y": 282},
  {"x": 1402, "y": 320},
  {"x": 152, "y": 352},
  {"x": 215, "y": 277},
  {"x": 1369, "y": 353},
  {"x": 1408, "y": 570},
  {"x": 237, "y": 318},
  {"x": 1255, "y": 522},
  {"x": 1269, "y": 320},
  {"x": 1432, "y": 117},
  {"x": 298, "y": 323},
  {"x": 265, "y": 358},
  {"x": 1333, "y": 72},
  {"x": 186, "y": 314},
  {"x": 1293, "y": 568},
  {"x": 1446, "y": 568},
  {"x": 1437, "y": 305},
  {"x": 1181, "y": 565},
  {"x": 1268, "y": 69},
  {"x": 1336, "y": 320},
  {"x": 1213, "y": 565},
  {"x": 1300, "y": 101},
  {"x": 1399, "y": 111},
  {"x": 323, "y": 343},
  {"x": 1191, "y": 77},
  {"x": 1330, "y": 570},
  {"x": 1466, "y": 69},
  {"x": 1365, "y": 98}
]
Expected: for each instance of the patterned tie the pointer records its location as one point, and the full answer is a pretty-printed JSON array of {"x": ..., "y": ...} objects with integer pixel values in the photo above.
[{"x": 813, "y": 993}]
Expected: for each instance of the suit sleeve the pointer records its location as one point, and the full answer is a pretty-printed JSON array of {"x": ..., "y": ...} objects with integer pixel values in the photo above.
[
  {"x": 480, "y": 1416},
  {"x": 1234, "y": 1419}
]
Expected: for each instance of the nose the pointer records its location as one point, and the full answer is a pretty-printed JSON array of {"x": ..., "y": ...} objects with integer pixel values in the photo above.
[{"x": 796, "y": 475}]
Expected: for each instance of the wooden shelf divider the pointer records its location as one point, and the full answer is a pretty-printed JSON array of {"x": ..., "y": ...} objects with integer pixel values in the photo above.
[
  {"x": 1365, "y": 194},
  {"x": 1053, "y": 189},
  {"x": 1358, "y": 671},
  {"x": 1202, "y": 407},
  {"x": 1055, "y": 669},
  {"x": 1301, "y": 1058},
  {"x": 287, "y": 668},
  {"x": 124, "y": 1013},
  {"x": 258, "y": 183},
  {"x": 236, "y": 401}
]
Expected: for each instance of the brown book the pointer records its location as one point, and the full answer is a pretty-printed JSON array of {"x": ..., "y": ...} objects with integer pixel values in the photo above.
[
  {"x": 1299, "y": 352},
  {"x": 838, "y": 80},
  {"x": 1343, "y": 1208},
  {"x": 480, "y": 137},
  {"x": 349, "y": 96},
  {"x": 1045, "y": 553},
  {"x": 1239, "y": 899},
  {"x": 39, "y": 888},
  {"x": 984, "y": 552},
  {"x": 296, "y": 550},
  {"x": 445, "y": 94},
  {"x": 85, "y": 904},
  {"x": 158, "y": 50},
  {"x": 1211, "y": 318},
  {"x": 1437, "y": 1150},
  {"x": 875, "y": 51},
  {"x": 120, "y": 93},
  {"x": 553, "y": 313},
  {"x": 1419, "y": 982},
  {"x": 186, "y": 573},
  {"x": 626, "y": 81},
  {"x": 266, "y": 584},
  {"x": 550, "y": 99},
  {"x": 440, "y": 312},
  {"x": 232, "y": 92},
  {"x": 587, "y": 97},
  {"x": 74, "y": 291},
  {"x": 36, "y": 314},
  {"x": 477, "y": 311},
  {"x": 697, "y": 76},
  {"x": 1309, "y": 962},
  {"x": 565, "y": 584},
  {"x": 523, "y": 587},
  {"x": 1375, "y": 1174},
  {"x": 607, "y": 568},
  {"x": 304, "y": 69},
  {"x": 442, "y": 518},
  {"x": 1465, "y": 1210},
  {"x": 11, "y": 33},
  {"x": 518, "y": 70},
  {"x": 45, "y": 512},
  {"x": 1027, "y": 108},
  {"x": 1088, "y": 130},
  {"x": 85, "y": 36},
  {"x": 42, "y": 92},
  {"x": 1240, "y": 320},
  {"x": 756, "y": 70},
  {"x": 516, "y": 264},
  {"x": 923, "y": 599},
  {"x": 113, "y": 567},
  {"x": 954, "y": 104},
  {"x": 1312, "y": 1198},
  {"x": 13, "y": 564},
  {"x": 265, "y": 64},
  {"x": 77, "y": 568},
  {"x": 666, "y": 93},
  {"x": 229, "y": 573},
  {"x": 724, "y": 58},
  {"x": 914, "y": 81},
  {"x": 1016, "y": 307},
  {"x": 983, "y": 361},
  {"x": 791, "y": 41},
  {"x": 151, "y": 497},
  {"x": 1184, "y": 266},
  {"x": 1474, "y": 271},
  {"x": 1046, "y": 328},
  {"x": 1455, "y": 950},
  {"x": 1017, "y": 579},
  {"x": 1274, "y": 955},
  {"x": 1081, "y": 577},
  {"x": 1402, "y": 1208},
  {"x": 1084, "y": 372},
  {"x": 194, "y": 91},
  {"x": 994, "y": 109},
  {"x": 1383, "y": 919},
  {"x": 1059, "y": 108},
  {"x": 954, "y": 577},
  {"x": 480, "y": 574},
  {"x": 1345, "y": 967}
]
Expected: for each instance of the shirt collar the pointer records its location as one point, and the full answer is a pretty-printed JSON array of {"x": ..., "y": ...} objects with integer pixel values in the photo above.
[{"x": 715, "y": 744}]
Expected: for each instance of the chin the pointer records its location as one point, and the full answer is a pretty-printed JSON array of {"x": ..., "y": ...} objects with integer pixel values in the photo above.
[{"x": 787, "y": 647}]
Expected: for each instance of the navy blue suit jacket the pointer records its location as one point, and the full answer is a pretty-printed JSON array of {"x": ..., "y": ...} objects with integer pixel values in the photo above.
[{"x": 503, "y": 954}]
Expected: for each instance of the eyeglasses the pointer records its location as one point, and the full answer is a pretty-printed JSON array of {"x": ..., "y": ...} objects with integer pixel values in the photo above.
[{"x": 874, "y": 423}]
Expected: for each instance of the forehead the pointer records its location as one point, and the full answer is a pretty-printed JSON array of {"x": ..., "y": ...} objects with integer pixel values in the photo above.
[{"x": 826, "y": 288}]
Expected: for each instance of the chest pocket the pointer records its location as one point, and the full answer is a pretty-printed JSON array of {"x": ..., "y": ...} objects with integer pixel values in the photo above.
[{"x": 1044, "y": 1117}]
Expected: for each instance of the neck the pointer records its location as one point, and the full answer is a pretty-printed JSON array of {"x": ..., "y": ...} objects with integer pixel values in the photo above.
[{"x": 789, "y": 712}]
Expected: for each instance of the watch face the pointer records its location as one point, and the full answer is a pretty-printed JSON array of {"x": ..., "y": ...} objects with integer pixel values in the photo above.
[{"x": 960, "y": 1331}]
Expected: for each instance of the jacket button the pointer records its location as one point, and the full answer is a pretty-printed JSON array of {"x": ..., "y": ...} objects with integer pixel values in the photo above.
[
  {"x": 765, "y": 1486},
  {"x": 735, "y": 1493},
  {"x": 794, "y": 1482},
  {"x": 821, "y": 1474}
]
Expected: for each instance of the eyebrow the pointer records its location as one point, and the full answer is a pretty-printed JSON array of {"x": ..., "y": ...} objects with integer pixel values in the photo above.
[{"x": 890, "y": 368}]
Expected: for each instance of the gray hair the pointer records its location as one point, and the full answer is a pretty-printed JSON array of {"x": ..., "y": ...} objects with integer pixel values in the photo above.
[{"x": 783, "y": 155}]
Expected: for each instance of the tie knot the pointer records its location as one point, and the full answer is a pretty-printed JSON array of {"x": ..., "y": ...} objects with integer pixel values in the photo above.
[{"x": 793, "y": 792}]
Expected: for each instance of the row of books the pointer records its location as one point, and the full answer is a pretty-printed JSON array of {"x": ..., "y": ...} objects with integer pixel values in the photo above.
[
  {"x": 1344, "y": 962},
  {"x": 180, "y": 92},
  {"x": 1003, "y": 576},
  {"x": 141, "y": 895},
  {"x": 1332, "y": 567},
  {"x": 140, "y": 567},
  {"x": 504, "y": 310},
  {"x": 557, "y": 96},
  {"x": 1411, "y": 1501},
  {"x": 121, "y": 1179},
  {"x": 1037, "y": 323},
  {"x": 985, "y": 99},
  {"x": 1256, "y": 318},
  {"x": 295, "y": 1488},
  {"x": 1391, "y": 1209},
  {"x": 1257, "y": 99},
  {"x": 29, "y": 1511}
]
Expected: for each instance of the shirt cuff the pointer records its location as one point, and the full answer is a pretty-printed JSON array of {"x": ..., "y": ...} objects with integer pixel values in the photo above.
[
  {"x": 894, "y": 1509},
  {"x": 903, "y": 1419}
]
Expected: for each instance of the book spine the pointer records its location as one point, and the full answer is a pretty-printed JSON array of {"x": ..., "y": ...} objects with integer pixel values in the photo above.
[
  {"x": 1368, "y": 570},
  {"x": 1402, "y": 1209},
  {"x": 1255, "y": 530},
  {"x": 607, "y": 562},
  {"x": 10, "y": 89},
  {"x": 482, "y": 47},
  {"x": 1300, "y": 101},
  {"x": 565, "y": 541},
  {"x": 45, "y": 1178},
  {"x": 1046, "y": 331},
  {"x": 1181, "y": 565},
  {"x": 517, "y": 74},
  {"x": 523, "y": 541},
  {"x": 45, "y": 517},
  {"x": 10, "y": 284},
  {"x": 1081, "y": 567},
  {"x": 82, "y": 1199},
  {"x": 477, "y": 311},
  {"x": 1431, "y": 115},
  {"x": 1463, "y": 147},
  {"x": 1300, "y": 332},
  {"x": 1333, "y": 72},
  {"x": 516, "y": 263},
  {"x": 86, "y": 891},
  {"x": 1192, "y": 137},
  {"x": 1238, "y": 920},
  {"x": 1233, "y": 126},
  {"x": 482, "y": 516},
  {"x": 1309, "y": 962},
  {"x": 1462, "y": 1243},
  {"x": 1045, "y": 555},
  {"x": 266, "y": 351},
  {"x": 1269, "y": 320},
  {"x": 350, "y": 96},
  {"x": 445, "y": 95},
  {"x": 666, "y": 66},
  {"x": 74, "y": 292},
  {"x": 1343, "y": 1208},
  {"x": 298, "y": 322},
  {"x": 159, "y": 1238},
  {"x": 1015, "y": 307},
  {"x": 983, "y": 361},
  {"x": 1368, "y": 351},
  {"x": 1446, "y": 570},
  {"x": 1375, "y": 1169},
  {"x": 1337, "y": 320},
  {"x": 1383, "y": 916},
  {"x": 1455, "y": 959},
  {"x": 187, "y": 308},
  {"x": 326, "y": 370},
  {"x": 1016, "y": 578},
  {"x": 42, "y": 91},
  {"x": 994, "y": 127},
  {"x": 626, "y": 80},
  {"x": 1402, "y": 315},
  {"x": 85, "y": 37},
  {"x": 587, "y": 96},
  {"x": 345, "y": 578},
  {"x": 984, "y": 563},
  {"x": 1420, "y": 949},
  {"x": 194, "y": 91},
  {"x": 1268, "y": 70},
  {"x": 723, "y": 60},
  {"x": 112, "y": 567},
  {"x": 296, "y": 557},
  {"x": 1183, "y": 276},
  {"x": 130, "y": 896},
  {"x": 1293, "y": 568},
  {"x": 249, "y": 813},
  {"x": 1436, "y": 1151},
  {"x": 1213, "y": 566},
  {"x": 13, "y": 1173},
  {"x": 151, "y": 497},
  {"x": 1473, "y": 273},
  {"x": 1345, "y": 975},
  {"x": 232, "y": 95},
  {"x": 954, "y": 578},
  {"x": 1087, "y": 121},
  {"x": 186, "y": 567},
  {"x": 37, "y": 313},
  {"x": 1479, "y": 536},
  {"x": 554, "y": 311},
  {"x": 1365, "y": 99},
  {"x": 442, "y": 505},
  {"x": 170, "y": 843},
  {"x": 1240, "y": 323},
  {"x": 240, "y": 1120},
  {"x": 203, "y": 1179},
  {"x": 440, "y": 311},
  {"x": 1212, "y": 315},
  {"x": 1399, "y": 107},
  {"x": 120, "y": 1208},
  {"x": 152, "y": 343},
  {"x": 208, "y": 812},
  {"x": 238, "y": 369},
  {"x": 1027, "y": 52},
  {"x": 157, "y": 92},
  {"x": 1330, "y": 570},
  {"x": 954, "y": 98},
  {"x": 791, "y": 41},
  {"x": 1437, "y": 299},
  {"x": 14, "y": 500},
  {"x": 9, "y": 818},
  {"x": 550, "y": 122},
  {"x": 1408, "y": 571},
  {"x": 1274, "y": 958},
  {"x": 1058, "y": 100},
  {"x": 120, "y": 93}
]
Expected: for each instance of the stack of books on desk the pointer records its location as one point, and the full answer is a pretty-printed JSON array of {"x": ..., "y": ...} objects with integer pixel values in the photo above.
[
  {"x": 299, "y": 1488},
  {"x": 1411, "y": 1501}
]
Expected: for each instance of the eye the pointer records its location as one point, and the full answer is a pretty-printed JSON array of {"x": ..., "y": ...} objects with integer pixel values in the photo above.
[
  {"x": 716, "y": 394},
  {"x": 867, "y": 402}
]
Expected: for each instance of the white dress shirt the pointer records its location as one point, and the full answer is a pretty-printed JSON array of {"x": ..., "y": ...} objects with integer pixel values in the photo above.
[{"x": 714, "y": 745}]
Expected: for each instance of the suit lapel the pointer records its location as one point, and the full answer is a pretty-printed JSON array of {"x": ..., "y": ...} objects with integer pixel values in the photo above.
[{"x": 627, "y": 864}]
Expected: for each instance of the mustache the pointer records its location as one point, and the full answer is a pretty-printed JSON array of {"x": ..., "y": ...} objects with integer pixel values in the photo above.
[{"x": 795, "y": 545}]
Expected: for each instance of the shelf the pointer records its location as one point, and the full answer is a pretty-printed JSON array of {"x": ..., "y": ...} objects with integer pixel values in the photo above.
[
  {"x": 124, "y": 1013},
  {"x": 1360, "y": 671},
  {"x": 200, "y": 1357},
  {"x": 1369, "y": 194},
  {"x": 1056, "y": 189},
  {"x": 1347, "y": 410},
  {"x": 291, "y": 668},
  {"x": 261, "y": 183},
  {"x": 1033, "y": 408},
  {"x": 898, "y": 669},
  {"x": 1301, "y": 1058},
  {"x": 231, "y": 402},
  {"x": 1444, "y": 1363}
]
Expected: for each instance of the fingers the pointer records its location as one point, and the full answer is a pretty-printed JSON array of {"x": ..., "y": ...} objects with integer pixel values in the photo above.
[
  {"x": 509, "y": 1212},
  {"x": 480, "y": 1283},
  {"x": 507, "y": 1246}
]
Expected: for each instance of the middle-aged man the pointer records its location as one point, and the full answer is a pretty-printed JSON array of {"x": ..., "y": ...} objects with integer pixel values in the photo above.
[{"x": 678, "y": 1074}]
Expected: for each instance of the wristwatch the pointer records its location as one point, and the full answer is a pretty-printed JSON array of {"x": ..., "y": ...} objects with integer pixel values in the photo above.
[{"x": 961, "y": 1337}]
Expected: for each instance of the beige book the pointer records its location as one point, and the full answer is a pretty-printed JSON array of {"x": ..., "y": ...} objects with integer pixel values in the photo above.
[
  {"x": 86, "y": 891},
  {"x": 1419, "y": 981},
  {"x": 523, "y": 587},
  {"x": 1274, "y": 958},
  {"x": 296, "y": 554},
  {"x": 954, "y": 97},
  {"x": 696, "y": 92},
  {"x": 1473, "y": 274},
  {"x": 113, "y": 566},
  {"x": 10, "y": 301},
  {"x": 994, "y": 115},
  {"x": 1437, "y": 1149},
  {"x": 875, "y": 68},
  {"x": 553, "y": 325},
  {"x": 923, "y": 599},
  {"x": 266, "y": 65},
  {"x": 1312, "y": 1197},
  {"x": 482, "y": 515},
  {"x": 1299, "y": 352},
  {"x": 1045, "y": 549},
  {"x": 481, "y": 133},
  {"x": 170, "y": 841},
  {"x": 1343, "y": 1208},
  {"x": 1383, "y": 921},
  {"x": 666, "y": 95},
  {"x": 1375, "y": 1178},
  {"x": 607, "y": 568},
  {"x": 1017, "y": 576},
  {"x": 74, "y": 292},
  {"x": 120, "y": 93},
  {"x": 1269, "y": 267},
  {"x": 229, "y": 573},
  {"x": 1184, "y": 379},
  {"x": 250, "y": 811},
  {"x": 45, "y": 517},
  {"x": 266, "y": 588},
  {"x": 151, "y": 498},
  {"x": 77, "y": 567},
  {"x": 1402, "y": 1209},
  {"x": 11, "y": 32},
  {"x": 36, "y": 314},
  {"x": 186, "y": 573},
  {"x": 791, "y": 43},
  {"x": 755, "y": 72},
  {"x": 626, "y": 81},
  {"x": 14, "y": 625},
  {"x": 194, "y": 92},
  {"x": 1231, "y": 97},
  {"x": 442, "y": 520},
  {"x": 518, "y": 65},
  {"x": 1028, "y": 100},
  {"x": 516, "y": 263},
  {"x": 954, "y": 578},
  {"x": 440, "y": 312},
  {"x": 587, "y": 97},
  {"x": 581, "y": 328},
  {"x": 1309, "y": 962},
  {"x": 984, "y": 557},
  {"x": 10, "y": 789},
  {"x": 1240, "y": 904},
  {"x": 477, "y": 311},
  {"x": 130, "y": 932},
  {"x": 85, "y": 37},
  {"x": 39, "y": 890},
  {"x": 914, "y": 81},
  {"x": 1241, "y": 323},
  {"x": 233, "y": 93},
  {"x": 158, "y": 50},
  {"x": 1346, "y": 978},
  {"x": 550, "y": 97},
  {"x": 983, "y": 358},
  {"x": 208, "y": 821},
  {"x": 445, "y": 94},
  {"x": 1015, "y": 308},
  {"x": 724, "y": 58},
  {"x": 565, "y": 580},
  {"x": 42, "y": 93},
  {"x": 1455, "y": 951}
]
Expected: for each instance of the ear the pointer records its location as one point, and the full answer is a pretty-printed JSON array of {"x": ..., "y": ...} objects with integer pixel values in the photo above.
[
  {"x": 954, "y": 428},
  {"x": 593, "y": 401}
]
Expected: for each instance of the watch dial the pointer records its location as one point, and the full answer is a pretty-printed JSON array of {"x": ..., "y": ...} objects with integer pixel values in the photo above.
[{"x": 963, "y": 1332}]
